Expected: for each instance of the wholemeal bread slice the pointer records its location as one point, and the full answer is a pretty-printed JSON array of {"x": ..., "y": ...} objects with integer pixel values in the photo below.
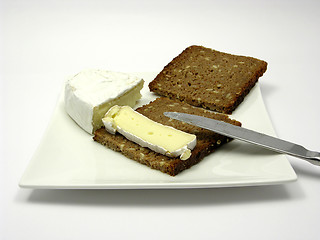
[
  {"x": 207, "y": 78},
  {"x": 207, "y": 141}
]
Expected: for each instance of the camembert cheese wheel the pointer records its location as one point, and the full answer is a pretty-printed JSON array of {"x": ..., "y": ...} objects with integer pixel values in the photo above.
[{"x": 91, "y": 93}]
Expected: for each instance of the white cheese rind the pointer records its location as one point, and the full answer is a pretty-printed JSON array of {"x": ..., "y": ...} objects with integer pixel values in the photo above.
[
  {"x": 113, "y": 124},
  {"x": 89, "y": 90}
]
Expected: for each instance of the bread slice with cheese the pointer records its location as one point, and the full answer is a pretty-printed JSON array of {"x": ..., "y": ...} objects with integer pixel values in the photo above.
[{"x": 207, "y": 141}]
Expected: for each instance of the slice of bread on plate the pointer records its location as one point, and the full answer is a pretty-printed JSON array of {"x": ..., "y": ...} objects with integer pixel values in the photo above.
[
  {"x": 207, "y": 141},
  {"x": 208, "y": 78}
]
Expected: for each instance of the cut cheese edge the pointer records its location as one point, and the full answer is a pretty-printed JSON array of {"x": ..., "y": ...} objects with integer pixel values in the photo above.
[
  {"x": 163, "y": 139},
  {"x": 91, "y": 93}
]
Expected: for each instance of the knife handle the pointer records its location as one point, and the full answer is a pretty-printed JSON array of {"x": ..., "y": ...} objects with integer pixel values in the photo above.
[{"x": 313, "y": 157}]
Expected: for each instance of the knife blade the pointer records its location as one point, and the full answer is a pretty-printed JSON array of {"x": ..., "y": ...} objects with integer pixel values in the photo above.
[{"x": 247, "y": 135}]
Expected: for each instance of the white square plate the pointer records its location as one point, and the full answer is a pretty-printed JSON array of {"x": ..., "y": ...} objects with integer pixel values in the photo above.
[{"x": 67, "y": 157}]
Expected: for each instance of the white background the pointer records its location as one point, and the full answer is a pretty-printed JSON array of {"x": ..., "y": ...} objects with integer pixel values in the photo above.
[{"x": 43, "y": 42}]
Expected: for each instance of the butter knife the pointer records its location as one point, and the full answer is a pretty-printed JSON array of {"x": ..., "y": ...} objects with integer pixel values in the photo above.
[{"x": 247, "y": 135}]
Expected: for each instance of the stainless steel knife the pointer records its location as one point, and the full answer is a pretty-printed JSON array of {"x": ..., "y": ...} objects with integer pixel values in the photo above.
[{"x": 247, "y": 135}]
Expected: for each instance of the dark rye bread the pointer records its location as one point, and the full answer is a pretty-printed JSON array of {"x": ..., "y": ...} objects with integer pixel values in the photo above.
[
  {"x": 207, "y": 78},
  {"x": 207, "y": 141}
]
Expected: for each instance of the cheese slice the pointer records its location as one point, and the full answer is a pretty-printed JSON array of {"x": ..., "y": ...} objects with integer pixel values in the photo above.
[
  {"x": 90, "y": 94},
  {"x": 147, "y": 133}
]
